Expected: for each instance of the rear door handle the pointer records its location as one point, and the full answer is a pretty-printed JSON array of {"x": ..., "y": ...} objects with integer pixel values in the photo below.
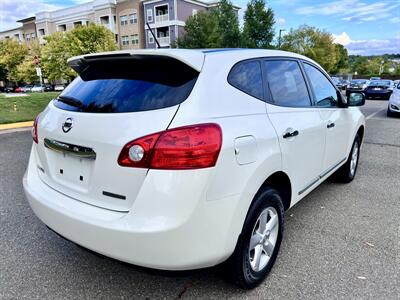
[
  {"x": 330, "y": 125},
  {"x": 290, "y": 133}
]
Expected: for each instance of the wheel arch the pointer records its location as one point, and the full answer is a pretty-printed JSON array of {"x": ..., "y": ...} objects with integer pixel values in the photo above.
[
  {"x": 281, "y": 182},
  {"x": 360, "y": 132}
]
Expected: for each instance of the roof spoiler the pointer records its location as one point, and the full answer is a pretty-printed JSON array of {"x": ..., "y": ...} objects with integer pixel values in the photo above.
[{"x": 192, "y": 58}]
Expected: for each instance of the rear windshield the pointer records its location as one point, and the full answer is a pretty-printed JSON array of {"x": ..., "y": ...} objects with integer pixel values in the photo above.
[{"x": 128, "y": 85}]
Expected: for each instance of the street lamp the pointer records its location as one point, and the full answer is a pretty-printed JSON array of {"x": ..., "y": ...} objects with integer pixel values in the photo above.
[{"x": 280, "y": 36}]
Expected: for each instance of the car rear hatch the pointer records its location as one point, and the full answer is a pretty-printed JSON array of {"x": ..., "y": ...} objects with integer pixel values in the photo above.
[{"x": 116, "y": 99}]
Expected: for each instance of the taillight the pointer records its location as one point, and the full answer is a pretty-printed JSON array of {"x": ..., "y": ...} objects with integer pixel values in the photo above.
[
  {"x": 182, "y": 148},
  {"x": 35, "y": 136}
]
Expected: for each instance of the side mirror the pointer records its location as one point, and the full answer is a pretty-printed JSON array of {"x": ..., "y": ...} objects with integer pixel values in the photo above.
[
  {"x": 342, "y": 100},
  {"x": 356, "y": 99}
]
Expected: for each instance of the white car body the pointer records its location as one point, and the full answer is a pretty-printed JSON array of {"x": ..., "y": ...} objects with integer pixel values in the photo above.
[
  {"x": 394, "y": 101},
  {"x": 37, "y": 88},
  {"x": 59, "y": 88},
  {"x": 182, "y": 219}
]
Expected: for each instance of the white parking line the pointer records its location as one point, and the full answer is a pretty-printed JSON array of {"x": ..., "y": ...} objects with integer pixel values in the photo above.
[{"x": 374, "y": 114}]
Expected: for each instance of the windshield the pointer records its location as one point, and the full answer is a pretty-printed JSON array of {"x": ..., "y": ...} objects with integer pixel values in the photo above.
[
  {"x": 358, "y": 81},
  {"x": 380, "y": 83},
  {"x": 128, "y": 86}
]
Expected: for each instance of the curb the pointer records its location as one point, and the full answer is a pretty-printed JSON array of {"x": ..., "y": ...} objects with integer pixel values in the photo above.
[{"x": 16, "y": 125}]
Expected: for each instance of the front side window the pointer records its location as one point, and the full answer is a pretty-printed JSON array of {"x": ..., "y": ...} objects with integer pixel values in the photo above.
[
  {"x": 246, "y": 76},
  {"x": 286, "y": 83},
  {"x": 325, "y": 93}
]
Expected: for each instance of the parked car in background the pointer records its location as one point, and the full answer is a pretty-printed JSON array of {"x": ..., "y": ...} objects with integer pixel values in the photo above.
[
  {"x": 59, "y": 87},
  {"x": 18, "y": 89},
  {"x": 394, "y": 103},
  {"x": 27, "y": 88},
  {"x": 48, "y": 87},
  {"x": 379, "y": 89},
  {"x": 396, "y": 83},
  {"x": 9, "y": 89},
  {"x": 181, "y": 159},
  {"x": 375, "y": 78},
  {"x": 357, "y": 85},
  {"x": 37, "y": 88},
  {"x": 340, "y": 83}
]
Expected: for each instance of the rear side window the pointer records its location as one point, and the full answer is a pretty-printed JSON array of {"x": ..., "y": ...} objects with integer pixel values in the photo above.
[
  {"x": 128, "y": 85},
  {"x": 246, "y": 76},
  {"x": 286, "y": 83},
  {"x": 325, "y": 93}
]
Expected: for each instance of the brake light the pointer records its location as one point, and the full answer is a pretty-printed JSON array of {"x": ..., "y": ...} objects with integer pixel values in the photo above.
[
  {"x": 182, "y": 148},
  {"x": 35, "y": 136}
]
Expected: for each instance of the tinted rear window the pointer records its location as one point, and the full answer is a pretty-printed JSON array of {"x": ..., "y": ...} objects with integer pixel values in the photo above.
[{"x": 128, "y": 85}]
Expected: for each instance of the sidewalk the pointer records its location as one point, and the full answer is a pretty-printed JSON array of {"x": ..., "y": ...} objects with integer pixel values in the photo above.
[{"x": 16, "y": 125}]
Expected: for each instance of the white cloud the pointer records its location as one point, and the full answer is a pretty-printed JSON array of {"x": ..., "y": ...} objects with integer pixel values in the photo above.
[
  {"x": 342, "y": 39},
  {"x": 394, "y": 20},
  {"x": 13, "y": 10},
  {"x": 280, "y": 21},
  {"x": 352, "y": 10},
  {"x": 368, "y": 47}
]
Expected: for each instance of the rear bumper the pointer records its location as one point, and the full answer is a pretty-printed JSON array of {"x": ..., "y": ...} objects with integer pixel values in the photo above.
[
  {"x": 163, "y": 231},
  {"x": 381, "y": 95}
]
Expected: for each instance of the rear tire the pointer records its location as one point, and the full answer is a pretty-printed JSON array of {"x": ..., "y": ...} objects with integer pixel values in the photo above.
[
  {"x": 347, "y": 172},
  {"x": 258, "y": 244}
]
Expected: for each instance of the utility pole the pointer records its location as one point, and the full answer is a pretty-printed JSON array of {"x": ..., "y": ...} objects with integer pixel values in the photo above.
[
  {"x": 280, "y": 36},
  {"x": 38, "y": 71}
]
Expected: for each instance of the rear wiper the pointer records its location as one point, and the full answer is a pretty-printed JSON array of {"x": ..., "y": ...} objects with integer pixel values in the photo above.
[{"x": 70, "y": 101}]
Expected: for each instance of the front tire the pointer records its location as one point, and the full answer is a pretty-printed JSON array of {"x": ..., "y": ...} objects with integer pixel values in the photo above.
[
  {"x": 348, "y": 171},
  {"x": 258, "y": 244}
]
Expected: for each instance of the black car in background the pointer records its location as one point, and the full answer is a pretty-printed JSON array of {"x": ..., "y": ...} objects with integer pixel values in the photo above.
[
  {"x": 357, "y": 85},
  {"x": 48, "y": 87},
  {"x": 379, "y": 89}
]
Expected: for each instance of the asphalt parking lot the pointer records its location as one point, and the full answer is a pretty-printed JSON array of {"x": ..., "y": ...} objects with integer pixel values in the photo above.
[{"x": 341, "y": 241}]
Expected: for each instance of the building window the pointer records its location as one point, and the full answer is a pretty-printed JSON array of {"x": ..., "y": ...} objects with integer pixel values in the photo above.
[
  {"x": 125, "y": 40},
  {"x": 41, "y": 32},
  {"x": 135, "y": 39},
  {"x": 149, "y": 15},
  {"x": 124, "y": 20},
  {"x": 150, "y": 37},
  {"x": 77, "y": 24},
  {"x": 194, "y": 12},
  {"x": 104, "y": 20},
  {"x": 33, "y": 35},
  {"x": 133, "y": 18},
  {"x": 62, "y": 27}
]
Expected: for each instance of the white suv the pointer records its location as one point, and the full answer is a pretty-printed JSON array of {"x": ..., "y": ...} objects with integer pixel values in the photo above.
[{"x": 183, "y": 159}]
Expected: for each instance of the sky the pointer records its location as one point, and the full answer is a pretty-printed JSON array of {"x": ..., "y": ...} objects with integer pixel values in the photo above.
[{"x": 364, "y": 27}]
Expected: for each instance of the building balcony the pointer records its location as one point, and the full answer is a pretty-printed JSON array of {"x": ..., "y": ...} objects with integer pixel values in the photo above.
[
  {"x": 162, "y": 18},
  {"x": 164, "y": 40}
]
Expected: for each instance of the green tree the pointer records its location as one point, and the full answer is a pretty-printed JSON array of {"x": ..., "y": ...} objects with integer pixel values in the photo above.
[
  {"x": 90, "y": 39},
  {"x": 26, "y": 71},
  {"x": 228, "y": 24},
  {"x": 313, "y": 43},
  {"x": 258, "y": 29},
  {"x": 201, "y": 31},
  {"x": 342, "y": 60},
  {"x": 54, "y": 57},
  {"x": 81, "y": 40},
  {"x": 12, "y": 53}
]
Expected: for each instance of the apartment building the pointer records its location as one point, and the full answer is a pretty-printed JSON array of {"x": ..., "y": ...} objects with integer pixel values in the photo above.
[
  {"x": 127, "y": 19},
  {"x": 167, "y": 18}
]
